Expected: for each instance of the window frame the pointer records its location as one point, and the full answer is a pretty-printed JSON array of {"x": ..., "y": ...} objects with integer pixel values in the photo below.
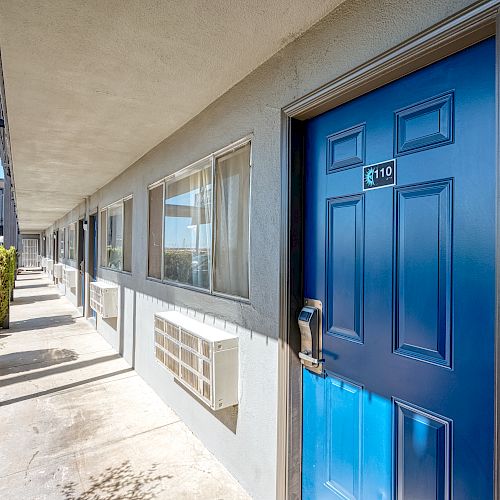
[
  {"x": 103, "y": 240},
  {"x": 62, "y": 244},
  {"x": 192, "y": 168},
  {"x": 68, "y": 232}
]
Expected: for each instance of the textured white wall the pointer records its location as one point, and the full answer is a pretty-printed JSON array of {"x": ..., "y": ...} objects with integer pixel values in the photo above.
[{"x": 352, "y": 34}]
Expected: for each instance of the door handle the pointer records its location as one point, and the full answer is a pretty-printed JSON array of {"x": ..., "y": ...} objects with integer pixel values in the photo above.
[
  {"x": 311, "y": 333},
  {"x": 310, "y": 359}
]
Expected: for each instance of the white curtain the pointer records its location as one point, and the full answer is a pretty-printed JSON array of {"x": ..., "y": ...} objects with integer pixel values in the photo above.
[{"x": 232, "y": 223}]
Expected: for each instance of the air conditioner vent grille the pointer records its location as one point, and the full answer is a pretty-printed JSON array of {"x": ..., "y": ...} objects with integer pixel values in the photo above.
[
  {"x": 198, "y": 355},
  {"x": 189, "y": 340},
  {"x": 206, "y": 390},
  {"x": 58, "y": 271},
  {"x": 104, "y": 299},
  {"x": 173, "y": 331},
  {"x": 190, "y": 378},
  {"x": 69, "y": 277},
  {"x": 206, "y": 369},
  {"x": 172, "y": 364},
  {"x": 190, "y": 358}
]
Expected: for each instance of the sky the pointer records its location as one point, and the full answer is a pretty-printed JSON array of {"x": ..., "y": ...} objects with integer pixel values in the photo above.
[{"x": 1, "y": 169}]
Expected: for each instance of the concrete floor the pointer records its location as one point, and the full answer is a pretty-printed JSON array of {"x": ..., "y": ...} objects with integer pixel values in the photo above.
[{"x": 76, "y": 422}]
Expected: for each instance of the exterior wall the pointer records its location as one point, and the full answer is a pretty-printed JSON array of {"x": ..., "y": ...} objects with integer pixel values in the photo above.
[
  {"x": 10, "y": 227},
  {"x": 244, "y": 438},
  {"x": 2, "y": 187},
  {"x": 73, "y": 216}
]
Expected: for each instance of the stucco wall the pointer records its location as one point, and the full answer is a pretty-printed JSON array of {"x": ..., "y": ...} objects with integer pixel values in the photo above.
[
  {"x": 77, "y": 213},
  {"x": 245, "y": 439}
]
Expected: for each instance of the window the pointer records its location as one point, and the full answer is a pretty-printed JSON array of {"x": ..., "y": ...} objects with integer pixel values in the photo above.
[
  {"x": 71, "y": 241},
  {"x": 155, "y": 231},
  {"x": 102, "y": 239},
  {"x": 128, "y": 205},
  {"x": 180, "y": 247},
  {"x": 116, "y": 236},
  {"x": 188, "y": 229},
  {"x": 114, "y": 242},
  {"x": 62, "y": 243}
]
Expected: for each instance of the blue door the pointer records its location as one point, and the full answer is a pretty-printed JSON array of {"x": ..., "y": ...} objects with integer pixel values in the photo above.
[
  {"x": 406, "y": 275},
  {"x": 93, "y": 231}
]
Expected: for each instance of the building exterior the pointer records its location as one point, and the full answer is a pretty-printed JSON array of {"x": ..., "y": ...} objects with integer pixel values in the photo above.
[
  {"x": 265, "y": 198},
  {"x": 10, "y": 223},
  {"x": 2, "y": 188}
]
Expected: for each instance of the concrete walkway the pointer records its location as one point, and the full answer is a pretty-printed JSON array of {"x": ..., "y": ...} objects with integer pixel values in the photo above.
[{"x": 77, "y": 423}]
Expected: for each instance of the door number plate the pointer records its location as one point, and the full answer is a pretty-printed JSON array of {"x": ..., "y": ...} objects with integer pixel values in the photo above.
[{"x": 379, "y": 175}]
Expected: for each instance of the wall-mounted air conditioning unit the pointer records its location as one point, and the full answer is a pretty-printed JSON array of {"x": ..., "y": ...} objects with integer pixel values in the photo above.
[
  {"x": 203, "y": 358},
  {"x": 58, "y": 270},
  {"x": 50, "y": 265},
  {"x": 70, "y": 277},
  {"x": 104, "y": 299}
]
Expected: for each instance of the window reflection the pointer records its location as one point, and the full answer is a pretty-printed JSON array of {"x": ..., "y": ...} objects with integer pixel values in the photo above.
[
  {"x": 115, "y": 237},
  {"x": 188, "y": 229}
]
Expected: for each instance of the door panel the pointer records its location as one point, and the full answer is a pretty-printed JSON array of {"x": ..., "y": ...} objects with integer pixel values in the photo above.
[
  {"x": 92, "y": 264},
  {"x": 422, "y": 288},
  {"x": 342, "y": 456},
  {"x": 345, "y": 267},
  {"x": 81, "y": 262},
  {"x": 406, "y": 274}
]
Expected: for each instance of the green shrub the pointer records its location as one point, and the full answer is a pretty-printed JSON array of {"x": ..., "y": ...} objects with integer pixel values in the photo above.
[
  {"x": 4, "y": 284},
  {"x": 7, "y": 279},
  {"x": 188, "y": 266},
  {"x": 114, "y": 257},
  {"x": 5, "y": 287}
]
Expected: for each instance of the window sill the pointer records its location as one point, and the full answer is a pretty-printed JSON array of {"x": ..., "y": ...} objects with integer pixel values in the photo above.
[
  {"x": 200, "y": 290},
  {"x": 221, "y": 295},
  {"x": 127, "y": 273}
]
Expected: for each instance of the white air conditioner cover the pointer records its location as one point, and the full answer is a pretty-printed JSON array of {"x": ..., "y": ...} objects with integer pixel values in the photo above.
[
  {"x": 58, "y": 270},
  {"x": 104, "y": 299},
  {"x": 70, "y": 277},
  {"x": 203, "y": 358}
]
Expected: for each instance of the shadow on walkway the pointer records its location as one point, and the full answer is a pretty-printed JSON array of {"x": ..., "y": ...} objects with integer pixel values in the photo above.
[
  {"x": 21, "y": 287},
  {"x": 55, "y": 370},
  {"x": 64, "y": 387},
  {"x": 42, "y": 323},
  {"x": 31, "y": 299},
  {"x": 17, "y": 362},
  {"x": 120, "y": 483}
]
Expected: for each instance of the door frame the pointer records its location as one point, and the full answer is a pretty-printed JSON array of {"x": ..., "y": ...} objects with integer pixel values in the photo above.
[
  {"x": 81, "y": 259},
  {"x": 463, "y": 29},
  {"x": 91, "y": 257}
]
